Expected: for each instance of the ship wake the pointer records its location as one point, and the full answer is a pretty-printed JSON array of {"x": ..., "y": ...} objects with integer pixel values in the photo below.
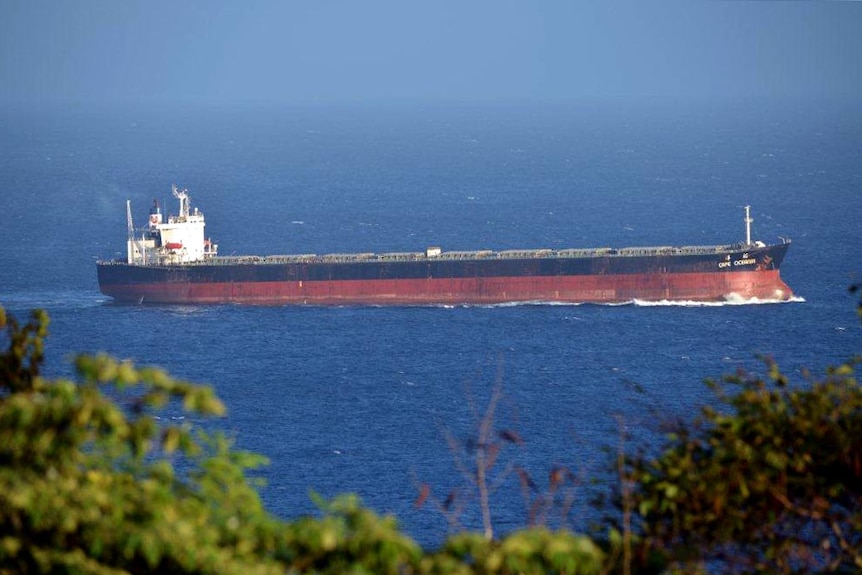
[{"x": 731, "y": 300}]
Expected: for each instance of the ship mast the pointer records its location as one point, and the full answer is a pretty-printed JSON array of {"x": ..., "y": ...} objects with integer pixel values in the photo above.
[
  {"x": 183, "y": 197},
  {"x": 130, "y": 227},
  {"x": 748, "y": 222},
  {"x": 133, "y": 246}
]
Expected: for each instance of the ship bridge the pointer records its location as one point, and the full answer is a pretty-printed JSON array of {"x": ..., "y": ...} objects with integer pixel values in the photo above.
[{"x": 179, "y": 240}]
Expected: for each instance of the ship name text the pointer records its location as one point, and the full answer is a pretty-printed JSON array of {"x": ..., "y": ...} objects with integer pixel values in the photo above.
[{"x": 741, "y": 262}]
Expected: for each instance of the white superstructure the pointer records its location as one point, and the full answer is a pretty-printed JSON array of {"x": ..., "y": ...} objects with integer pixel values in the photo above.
[{"x": 179, "y": 240}]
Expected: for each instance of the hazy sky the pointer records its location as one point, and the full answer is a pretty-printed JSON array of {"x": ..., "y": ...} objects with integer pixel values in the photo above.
[{"x": 441, "y": 50}]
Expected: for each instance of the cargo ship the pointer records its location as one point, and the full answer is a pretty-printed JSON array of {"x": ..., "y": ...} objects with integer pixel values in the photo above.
[{"x": 173, "y": 262}]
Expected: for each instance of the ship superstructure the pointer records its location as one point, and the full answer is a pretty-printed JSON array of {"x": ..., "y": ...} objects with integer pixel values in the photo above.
[{"x": 179, "y": 240}]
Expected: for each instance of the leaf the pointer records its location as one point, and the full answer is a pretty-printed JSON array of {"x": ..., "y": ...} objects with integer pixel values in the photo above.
[
  {"x": 511, "y": 437},
  {"x": 424, "y": 492}
]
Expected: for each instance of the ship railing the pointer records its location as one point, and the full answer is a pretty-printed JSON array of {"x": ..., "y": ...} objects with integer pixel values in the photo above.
[
  {"x": 584, "y": 252},
  {"x": 290, "y": 257},
  {"x": 699, "y": 250},
  {"x": 457, "y": 255},
  {"x": 401, "y": 256},
  {"x": 573, "y": 253},
  {"x": 521, "y": 254},
  {"x": 336, "y": 258}
]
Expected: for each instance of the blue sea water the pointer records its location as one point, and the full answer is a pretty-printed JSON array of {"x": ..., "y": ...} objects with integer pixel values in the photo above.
[{"x": 362, "y": 399}]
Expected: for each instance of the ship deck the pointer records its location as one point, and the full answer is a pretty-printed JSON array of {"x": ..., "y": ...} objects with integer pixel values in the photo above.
[{"x": 568, "y": 253}]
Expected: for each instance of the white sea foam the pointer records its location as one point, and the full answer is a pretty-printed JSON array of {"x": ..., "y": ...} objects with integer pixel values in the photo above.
[
  {"x": 732, "y": 299},
  {"x": 521, "y": 304}
]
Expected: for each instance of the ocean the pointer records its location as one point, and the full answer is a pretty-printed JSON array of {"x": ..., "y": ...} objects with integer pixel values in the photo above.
[{"x": 363, "y": 399}]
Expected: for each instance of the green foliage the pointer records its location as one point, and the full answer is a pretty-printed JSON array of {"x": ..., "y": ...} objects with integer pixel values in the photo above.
[
  {"x": 350, "y": 539},
  {"x": 20, "y": 365},
  {"x": 533, "y": 551},
  {"x": 770, "y": 481},
  {"x": 87, "y": 483}
]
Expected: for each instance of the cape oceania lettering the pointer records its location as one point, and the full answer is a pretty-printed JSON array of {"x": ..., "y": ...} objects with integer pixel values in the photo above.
[{"x": 745, "y": 260}]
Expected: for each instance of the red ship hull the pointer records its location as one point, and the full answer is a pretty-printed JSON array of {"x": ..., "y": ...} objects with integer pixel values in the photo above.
[{"x": 699, "y": 286}]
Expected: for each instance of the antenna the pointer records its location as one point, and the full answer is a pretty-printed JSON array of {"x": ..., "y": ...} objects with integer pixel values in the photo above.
[{"x": 748, "y": 222}]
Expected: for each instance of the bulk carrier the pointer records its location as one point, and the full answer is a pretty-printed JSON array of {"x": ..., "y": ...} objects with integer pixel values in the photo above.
[{"x": 173, "y": 262}]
